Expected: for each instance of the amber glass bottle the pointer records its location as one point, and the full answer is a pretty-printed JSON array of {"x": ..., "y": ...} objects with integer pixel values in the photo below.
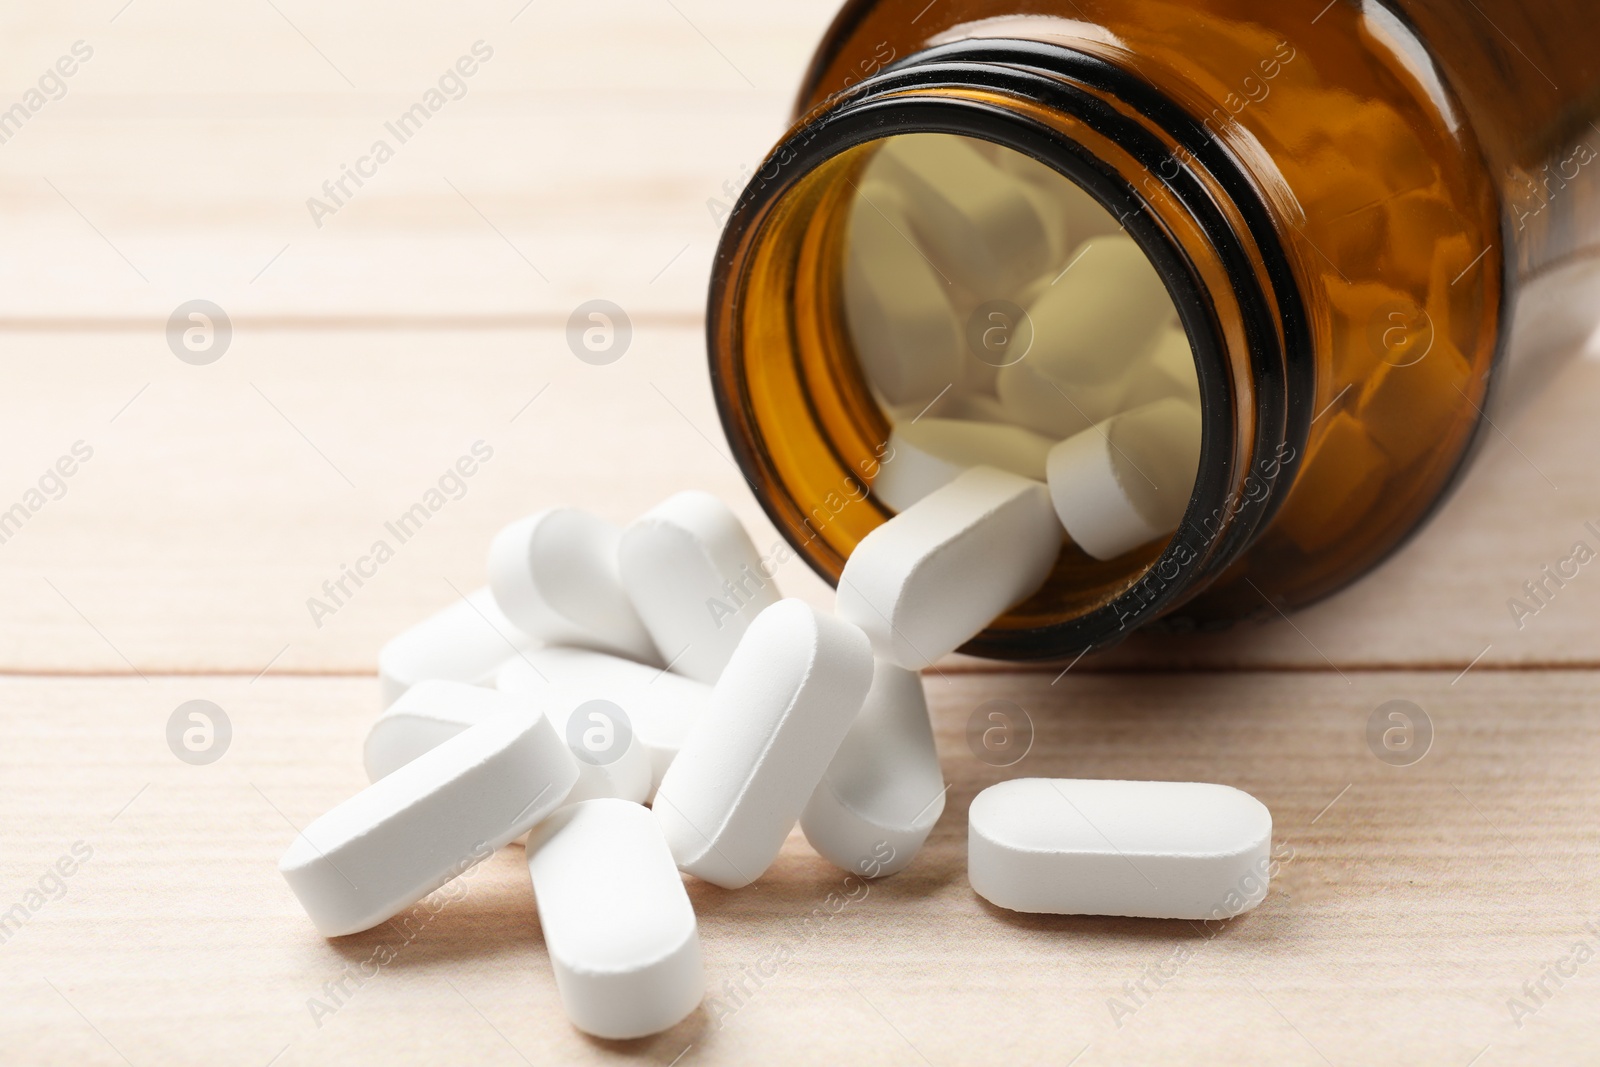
[{"x": 1374, "y": 220}]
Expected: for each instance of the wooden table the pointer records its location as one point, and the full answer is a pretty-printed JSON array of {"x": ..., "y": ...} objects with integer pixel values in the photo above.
[{"x": 1418, "y": 910}]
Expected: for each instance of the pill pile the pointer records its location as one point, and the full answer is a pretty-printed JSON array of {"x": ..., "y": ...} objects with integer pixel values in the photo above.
[
  {"x": 601, "y": 699},
  {"x": 639, "y": 703},
  {"x": 1002, "y": 317}
]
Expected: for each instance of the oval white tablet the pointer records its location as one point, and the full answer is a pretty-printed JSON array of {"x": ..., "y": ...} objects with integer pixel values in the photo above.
[
  {"x": 1093, "y": 323},
  {"x": 465, "y": 642},
  {"x": 618, "y": 925},
  {"x": 429, "y": 714},
  {"x": 928, "y": 453},
  {"x": 661, "y": 706},
  {"x": 695, "y": 579},
  {"x": 1127, "y": 481},
  {"x": 967, "y": 443},
  {"x": 973, "y": 406},
  {"x": 407, "y": 834},
  {"x": 752, "y": 761},
  {"x": 934, "y": 576},
  {"x": 1165, "y": 850},
  {"x": 902, "y": 326},
  {"x": 1168, "y": 371},
  {"x": 975, "y": 222},
  {"x": 977, "y": 407},
  {"x": 1065, "y": 204},
  {"x": 612, "y": 761},
  {"x": 1054, "y": 409},
  {"x": 554, "y": 575},
  {"x": 883, "y": 791},
  {"x": 907, "y": 473}
]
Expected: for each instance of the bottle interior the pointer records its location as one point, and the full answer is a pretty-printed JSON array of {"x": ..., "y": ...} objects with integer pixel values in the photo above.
[{"x": 999, "y": 315}]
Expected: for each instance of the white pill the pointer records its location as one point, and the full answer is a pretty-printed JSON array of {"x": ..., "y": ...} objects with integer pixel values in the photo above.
[
  {"x": 1061, "y": 202},
  {"x": 554, "y": 574},
  {"x": 407, "y": 834},
  {"x": 612, "y": 761},
  {"x": 752, "y": 761},
  {"x": 429, "y": 714},
  {"x": 907, "y": 473},
  {"x": 618, "y": 925},
  {"x": 978, "y": 375},
  {"x": 1056, "y": 409},
  {"x": 1105, "y": 312},
  {"x": 978, "y": 407},
  {"x": 1034, "y": 289},
  {"x": 1038, "y": 183},
  {"x": 972, "y": 444},
  {"x": 660, "y": 705},
  {"x": 1127, "y": 481},
  {"x": 975, "y": 221},
  {"x": 934, "y": 576},
  {"x": 465, "y": 642},
  {"x": 1168, "y": 371},
  {"x": 1165, "y": 850},
  {"x": 883, "y": 791},
  {"x": 972, "y": 406},
  {"x": 695, "y": 579},
  {"x": 1053, "y": 216},
  {"x": 905, "y": 332},
  {"x": 926, "y": 454}
]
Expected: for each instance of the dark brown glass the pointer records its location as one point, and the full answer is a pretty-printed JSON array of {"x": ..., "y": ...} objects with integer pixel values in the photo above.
[{"x": 1377, "y": 223}]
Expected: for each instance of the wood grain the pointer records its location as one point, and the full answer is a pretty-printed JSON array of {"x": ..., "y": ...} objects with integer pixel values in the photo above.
[
  {"x": 222, "y": 497},
  {"x": 578, "y": 162},
  {"x": 1412, "y": 904},
  {"x": 586, "y": 159}
]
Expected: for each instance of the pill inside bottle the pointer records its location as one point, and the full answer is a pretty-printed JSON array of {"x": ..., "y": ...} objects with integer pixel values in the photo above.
[
  {"x": 986, "y": 294},
  {"x": 1247, "y": 354}
]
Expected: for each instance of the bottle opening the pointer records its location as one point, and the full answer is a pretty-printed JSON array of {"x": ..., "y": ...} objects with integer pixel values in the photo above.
[
  {"x": 1000, "y": 315},
  {"x": 968, "y": 262}
]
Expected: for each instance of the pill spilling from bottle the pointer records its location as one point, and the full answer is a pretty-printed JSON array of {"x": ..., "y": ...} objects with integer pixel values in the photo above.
[
  {"x": 1002, "y": 318},
  {"x": 643, "y": 704},
  {"x": 561, "y": 718}
]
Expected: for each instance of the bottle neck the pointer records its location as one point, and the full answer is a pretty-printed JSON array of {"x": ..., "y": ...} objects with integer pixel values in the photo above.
[{"x": 809, "y": 435}]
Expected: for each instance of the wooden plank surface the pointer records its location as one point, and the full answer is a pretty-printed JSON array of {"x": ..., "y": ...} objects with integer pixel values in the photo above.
[
  {"x": 1413, "y": 902},
  {"x": 578, "y": 160},
  {"x": 221, "y": 498},
  {"x": 584, "y": 160}
]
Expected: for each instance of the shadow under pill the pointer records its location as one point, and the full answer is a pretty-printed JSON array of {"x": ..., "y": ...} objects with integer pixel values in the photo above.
[
  {"x": 669, "y": 1044},
  {"x": 1124, "y": 929},
  {"x": 488, "y": 921}
]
